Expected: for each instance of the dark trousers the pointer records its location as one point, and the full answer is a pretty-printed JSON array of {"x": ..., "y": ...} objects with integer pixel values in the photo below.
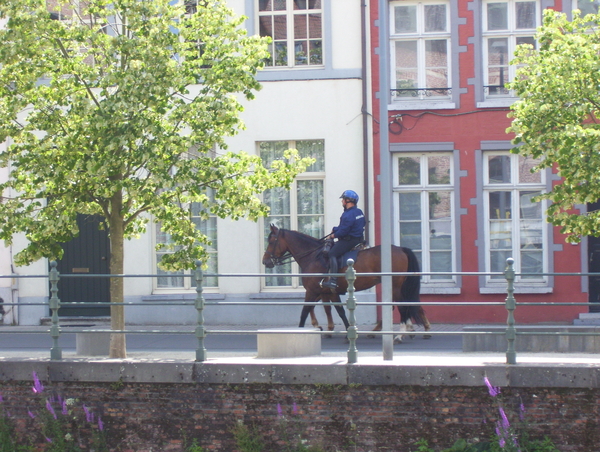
[{"x": 339, "y": 248}]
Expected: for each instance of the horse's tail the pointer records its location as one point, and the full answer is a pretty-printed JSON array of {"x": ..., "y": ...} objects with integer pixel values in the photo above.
[{"x": 411, "y": 289}]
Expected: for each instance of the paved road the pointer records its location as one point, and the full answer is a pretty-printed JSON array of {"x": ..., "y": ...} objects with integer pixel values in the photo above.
[{"x": 16, "y": 343}]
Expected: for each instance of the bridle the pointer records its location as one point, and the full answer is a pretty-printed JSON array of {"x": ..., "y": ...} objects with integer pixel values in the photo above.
[{"x": 287, "y": 257}]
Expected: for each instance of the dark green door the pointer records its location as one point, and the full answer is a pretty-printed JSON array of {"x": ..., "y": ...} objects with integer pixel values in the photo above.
[
  {"x": 87, "y": 254},
  {"x": 594, "y": 266}
]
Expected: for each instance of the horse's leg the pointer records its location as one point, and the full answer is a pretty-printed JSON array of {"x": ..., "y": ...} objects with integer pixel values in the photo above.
[
  {"x": 313, "y": 319},
  {"x": 426, "y": 325},
  {"x": 378, "y": 327},
  {"x": 340, "y": 309},
  {"x": 404, "y": 327},
  {"x": 326, "y": 298},
  {"x": 308, "y": 298}
]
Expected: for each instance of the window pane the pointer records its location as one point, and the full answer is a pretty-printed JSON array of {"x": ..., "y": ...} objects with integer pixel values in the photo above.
[
  {"x": 280, "y": 27},
  {"x": 440, "y": 220},
  {"x": 410, "y": 206},
  {"x": 500, "y": 205},
  {"x": 278, "y": 200},
  {"x": 435, "y": 18},
  {"x": 499, "y": 169},
  {"x": 410, "y": 235},
  {"x": 587, "y": 6},
  {"x": 265, "y": 5},
  {"x": 266, "y": 27},
  {"x": 405, "y": 19},
  {"x": 316, "y": 52},
  {"x": 525, "y": 174},
  {"x": 436, "y": 62},
  {"x": 300, "y": 53},
  {"x": 439, "y": 170},
  {"x": 280, "y": 56},
  {"x": 279, "y": 5},
  {"x": 314, "y": 26},
  {"x": 406, "y": 66},
  {"x": 497, "y": 16},
  {"x": 409, "y": 171},
  {"x": 272, "y": 150},
  {"x": 300, "y": 27},
  {"x": 314, "y": 149},
  {"x": 310, "y": 197},
  {"x": 525, "y": 12},
  {"x": 531, "y": 234},
  {"x": 314, "y": 4},
  {"x": 498, "y": 262},
  {"x": 299, "y": 4},
  {"x": 530, "y": 210},
  {"x": 531, "y": 262},
  {"x": 441, "y": 262}
]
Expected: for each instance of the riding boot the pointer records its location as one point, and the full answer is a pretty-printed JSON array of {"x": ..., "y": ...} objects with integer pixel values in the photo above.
[{"x": 331, "y": 283}]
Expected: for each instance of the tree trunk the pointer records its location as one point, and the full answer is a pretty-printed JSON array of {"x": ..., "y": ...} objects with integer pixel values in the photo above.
[{"x": 118, "y": 347}]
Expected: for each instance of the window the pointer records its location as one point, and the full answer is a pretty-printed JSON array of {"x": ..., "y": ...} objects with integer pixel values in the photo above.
[
  {"x": 299, "y": 208},
  {"x": 514, "y": 221},
  {"x": 505, "y": 26},
  {"x": 420, "y": 47},
  {"x": 587, "y": 6},
  {"x": 170, "y": 280},
  {"x": 424, "y": 198},
  {"x": 296, "y": 30}
]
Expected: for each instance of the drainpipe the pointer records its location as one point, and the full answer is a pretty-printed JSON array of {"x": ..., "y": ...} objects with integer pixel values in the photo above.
[{"x": 365, "y": 112}]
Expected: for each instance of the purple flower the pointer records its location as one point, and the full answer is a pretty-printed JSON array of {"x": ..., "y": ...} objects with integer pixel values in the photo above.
[
  {"x": 65, "y": 410},
  {"x": 1, "y": 399},
  {"x": 279, "y": 410},
  {"x": 493, "y": 390},
  {"x": 48, "y": 439},
  {"x": 88, "y": 414},
  {"x": 31, "y": 415},
  {"x": 295, "y": 409},
  {"x": 100, "y": 424},
  {"x": 37, "y": 384},
  {"x": 522, "y": 411},
  {"x": 50, "y": 408},
  {"x": 505, "y": 423}
]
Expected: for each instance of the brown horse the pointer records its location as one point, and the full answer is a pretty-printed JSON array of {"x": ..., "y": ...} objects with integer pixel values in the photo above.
[{"x": 308, "y": 253}]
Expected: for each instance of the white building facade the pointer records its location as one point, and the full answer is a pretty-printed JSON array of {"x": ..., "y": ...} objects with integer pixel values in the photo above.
[{"x": 313, "y": 98}]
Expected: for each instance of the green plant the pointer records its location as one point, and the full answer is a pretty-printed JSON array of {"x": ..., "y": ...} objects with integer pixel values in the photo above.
[
  {"x": 247, "y": 439},
  {"x": 57, "y": 423}
]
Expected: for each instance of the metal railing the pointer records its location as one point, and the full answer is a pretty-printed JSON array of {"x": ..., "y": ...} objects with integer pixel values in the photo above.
[{"x": 352, "y": 333}]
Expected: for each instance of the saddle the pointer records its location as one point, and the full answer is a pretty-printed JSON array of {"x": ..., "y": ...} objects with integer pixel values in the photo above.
[{"x": 348, "y": 255}]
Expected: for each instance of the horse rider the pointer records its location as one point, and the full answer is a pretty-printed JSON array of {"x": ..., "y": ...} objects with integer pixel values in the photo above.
[{"x": 349, "y": 233}]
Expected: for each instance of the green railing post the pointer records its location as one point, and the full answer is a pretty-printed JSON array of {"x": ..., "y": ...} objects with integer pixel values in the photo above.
[
  {"x": 200, "y": 330},
  {"x": 351, "y": 304},
  {"x": 511, "y": 333},
  {"x": 54, "y": 303}
]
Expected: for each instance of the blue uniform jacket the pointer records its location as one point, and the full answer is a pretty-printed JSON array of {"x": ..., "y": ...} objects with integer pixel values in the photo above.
[{"x": 352, "y": 223}]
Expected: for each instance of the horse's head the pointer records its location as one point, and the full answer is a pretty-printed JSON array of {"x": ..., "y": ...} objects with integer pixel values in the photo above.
[{"x": 275, "y": 248}]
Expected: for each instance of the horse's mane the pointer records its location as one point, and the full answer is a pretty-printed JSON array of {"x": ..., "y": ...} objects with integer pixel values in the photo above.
[
  {"x": 308, "y": 242},
  {"x": 302, "y": 236}
]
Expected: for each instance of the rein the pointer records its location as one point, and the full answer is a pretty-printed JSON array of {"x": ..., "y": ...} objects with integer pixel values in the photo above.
[{"x": 287, "y": 257}]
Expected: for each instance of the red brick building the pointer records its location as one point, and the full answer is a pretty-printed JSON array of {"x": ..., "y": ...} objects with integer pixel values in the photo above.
[{"x": 460, "y": 199}]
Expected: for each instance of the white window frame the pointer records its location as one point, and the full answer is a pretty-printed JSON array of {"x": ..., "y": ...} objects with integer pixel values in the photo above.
[
  {"x": 422, "y": 92},
  {"x": 294, "y": 216},
  {"x": 289, "y": 13},
  {"x": 211, "y": 282},
  {"x": 429, "y": 282},
  {"x": 514, "y": 187},
  {"x": 512, "y": 34},
  {"x": 594, "y": 3}
]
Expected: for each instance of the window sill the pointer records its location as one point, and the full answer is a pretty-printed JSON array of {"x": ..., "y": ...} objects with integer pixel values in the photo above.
[
  {"x": 182, "y": 294},
  {"x": 439, "y": 290},
  {"x": 497, "y": 103},
  {"x": 422, "y": 105},
  {"x": 501, "y": 289}
]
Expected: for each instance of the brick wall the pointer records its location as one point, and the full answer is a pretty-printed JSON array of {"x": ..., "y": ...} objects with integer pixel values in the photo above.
[{"x": 157, "y": 416}]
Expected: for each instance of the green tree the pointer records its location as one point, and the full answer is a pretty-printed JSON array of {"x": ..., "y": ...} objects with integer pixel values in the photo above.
[
  {"x": 119, "y": 108},
  {"x": 556, "y": 118}
]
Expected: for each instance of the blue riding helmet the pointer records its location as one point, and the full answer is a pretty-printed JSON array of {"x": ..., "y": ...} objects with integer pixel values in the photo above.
[{"x": 350, "y": 195}]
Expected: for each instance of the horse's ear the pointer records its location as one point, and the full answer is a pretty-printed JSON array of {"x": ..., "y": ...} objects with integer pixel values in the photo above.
[{"x": 273, "y": 228}]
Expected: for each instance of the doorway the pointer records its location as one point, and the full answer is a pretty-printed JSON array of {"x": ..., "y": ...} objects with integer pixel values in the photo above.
[
  {"x": 594, "y": 266},
  {"x": 89, "y": 253}
]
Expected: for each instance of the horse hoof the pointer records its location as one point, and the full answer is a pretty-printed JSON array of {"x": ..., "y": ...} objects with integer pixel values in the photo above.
[
  {"x": 370, "y": 336},
  {"x": 327, "y": 336},
  {"x": 412, "y": 336},
  {"x": 397, "y": 340},
  {"x": 427, "y": 336}
]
